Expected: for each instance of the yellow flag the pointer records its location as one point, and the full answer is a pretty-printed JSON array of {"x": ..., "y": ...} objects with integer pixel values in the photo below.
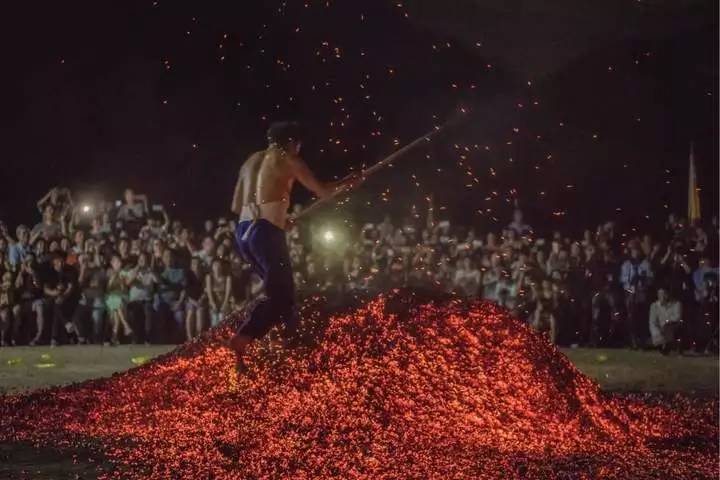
[{"x": 693, "y": 190}]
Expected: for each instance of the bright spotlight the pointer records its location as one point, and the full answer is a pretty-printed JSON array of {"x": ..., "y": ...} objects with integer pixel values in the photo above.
[
  {"x": 329, "y": 236},
  {"x": 86, "y": 208}
]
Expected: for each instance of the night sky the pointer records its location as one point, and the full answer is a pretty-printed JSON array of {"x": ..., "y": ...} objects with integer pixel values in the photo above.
[{"x": 575, "y": 110}]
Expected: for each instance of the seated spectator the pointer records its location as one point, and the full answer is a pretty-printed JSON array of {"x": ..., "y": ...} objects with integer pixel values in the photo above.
[
  {"x": 28, "y": 285},
  {"x": 77, "y": 248},
  {"x": 18, "y": 248},
  {"x": 116, "y": 299},
  {"x": 171, "y": 291},
  {"x": 665, "y": 319},
  {"x": 92, "y": 279},
  {"x": 59, "y": 287}
]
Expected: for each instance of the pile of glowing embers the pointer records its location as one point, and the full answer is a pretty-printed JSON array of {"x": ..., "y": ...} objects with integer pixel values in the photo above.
[{"x": 400, "y": 387}]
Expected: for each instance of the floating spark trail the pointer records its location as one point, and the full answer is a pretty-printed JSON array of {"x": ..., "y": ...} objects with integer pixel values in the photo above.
[{"x": 399, "y": 387}]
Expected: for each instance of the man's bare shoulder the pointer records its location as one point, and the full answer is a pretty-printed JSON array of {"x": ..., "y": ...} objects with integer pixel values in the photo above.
[{"x": 253, "y": 159}]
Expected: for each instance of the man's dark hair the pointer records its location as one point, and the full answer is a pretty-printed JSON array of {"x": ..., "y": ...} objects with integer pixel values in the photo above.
[{"x": 283, "y": 133}]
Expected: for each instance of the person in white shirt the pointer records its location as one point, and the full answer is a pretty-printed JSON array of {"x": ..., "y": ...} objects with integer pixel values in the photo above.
[{"x": 665, "y": 320}]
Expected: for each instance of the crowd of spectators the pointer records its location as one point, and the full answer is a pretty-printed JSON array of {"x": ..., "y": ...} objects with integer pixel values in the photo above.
[
  {"x": 125, "y": 272},
  {"x": 639, "y": 290},
  {"x": 111, "y": 273}
]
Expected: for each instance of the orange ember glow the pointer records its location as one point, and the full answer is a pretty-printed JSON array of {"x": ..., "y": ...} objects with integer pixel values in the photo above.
[{"x": 401, "y": 387}]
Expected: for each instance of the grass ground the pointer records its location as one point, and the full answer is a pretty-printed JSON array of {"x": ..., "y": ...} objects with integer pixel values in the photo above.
[{"x": 616, "y": 370}]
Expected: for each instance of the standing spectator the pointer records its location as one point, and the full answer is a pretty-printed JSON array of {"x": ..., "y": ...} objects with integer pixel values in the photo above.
[
  {"x": 507, "y": 290},
  {"x": 676, "y": 273},
  {"x": 217, "y": 288},
  {"x": 491, "y": 277},
  {"x": 4, "y": 256},
  {"x": 467, "y": 277},
  {"x": 700, "y": 276},
  {"x": 706, "y": 338},
  {"x": 518, "y": 225},
  {"x": 209, "y": 227},
  {"x": 600, "y": 275},
  {"x": 134, "y": 211},
  {"x": 61, "y": 201},
  {"x": 665, "y": 319},
  {"x": 543, "y": 318},
  {"x": 116, "y": 298},
  {"x": 635, "y": 276},
  {"x": 194, "y": 306},
  {"x": 9, "y": 310},
  {"x": 142, "y": 282},
  {"x": 207, "y": 252}
]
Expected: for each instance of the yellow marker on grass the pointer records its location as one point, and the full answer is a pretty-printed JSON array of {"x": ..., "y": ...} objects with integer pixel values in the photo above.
[{"x": 139, "y": 360}]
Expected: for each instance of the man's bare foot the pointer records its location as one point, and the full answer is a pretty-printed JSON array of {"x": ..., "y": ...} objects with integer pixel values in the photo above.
[
  {"x": 237, "y": 344},
  {"x": 240, "y": 366}
]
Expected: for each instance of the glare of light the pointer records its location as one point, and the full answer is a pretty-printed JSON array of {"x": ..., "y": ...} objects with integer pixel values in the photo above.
[
  {"x": 329, "y": 236},
  {"x": 86, "y": 208}
]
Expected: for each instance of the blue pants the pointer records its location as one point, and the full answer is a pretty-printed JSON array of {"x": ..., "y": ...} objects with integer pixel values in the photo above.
[{"x": 266, "y": 250}]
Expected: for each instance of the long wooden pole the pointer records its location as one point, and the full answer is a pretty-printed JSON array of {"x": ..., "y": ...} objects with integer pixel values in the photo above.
[{"x": 387, "y": 161}]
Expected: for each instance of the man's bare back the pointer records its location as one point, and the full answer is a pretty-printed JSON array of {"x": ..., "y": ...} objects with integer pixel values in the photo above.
[{"x": 265, "y": 182}]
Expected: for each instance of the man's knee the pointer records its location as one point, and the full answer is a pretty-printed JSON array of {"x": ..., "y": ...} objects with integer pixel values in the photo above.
[{"x": 279, "y": 286}]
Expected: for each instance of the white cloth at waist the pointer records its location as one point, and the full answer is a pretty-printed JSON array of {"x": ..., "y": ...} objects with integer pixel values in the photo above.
[{"x": 273, "y": 212}]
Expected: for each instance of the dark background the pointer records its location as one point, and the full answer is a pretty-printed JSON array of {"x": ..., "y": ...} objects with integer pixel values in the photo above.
[{"x": 578, "y": 109}]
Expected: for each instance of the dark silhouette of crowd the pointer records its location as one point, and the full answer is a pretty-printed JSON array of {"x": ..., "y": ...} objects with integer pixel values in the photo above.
[{"x": 126, "y": 272}]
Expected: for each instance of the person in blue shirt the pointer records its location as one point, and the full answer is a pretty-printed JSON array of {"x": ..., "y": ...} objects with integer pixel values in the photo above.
[
  {"x": 171, "y": 290},
  {"x": 18, "y": 248},
  {"x": 699, "y": 277},
  {"x": 636, "y": 276}
]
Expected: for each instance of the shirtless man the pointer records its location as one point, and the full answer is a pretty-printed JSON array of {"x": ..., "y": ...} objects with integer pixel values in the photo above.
[{"x": 261, "y": 199}]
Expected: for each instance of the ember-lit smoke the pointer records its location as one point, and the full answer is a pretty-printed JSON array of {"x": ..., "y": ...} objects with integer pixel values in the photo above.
[{"x": 399, "y": 388}]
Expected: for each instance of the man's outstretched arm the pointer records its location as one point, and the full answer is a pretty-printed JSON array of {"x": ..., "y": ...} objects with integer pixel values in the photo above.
[{"x": 308, "y": 179}]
